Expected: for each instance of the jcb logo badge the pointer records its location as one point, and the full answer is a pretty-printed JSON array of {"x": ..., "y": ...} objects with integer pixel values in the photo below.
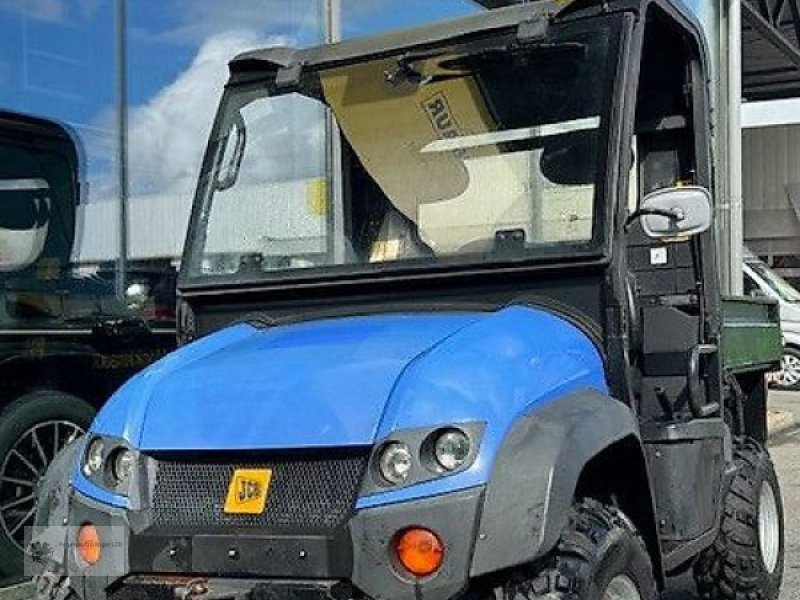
[{"x": 247, "y": 492}]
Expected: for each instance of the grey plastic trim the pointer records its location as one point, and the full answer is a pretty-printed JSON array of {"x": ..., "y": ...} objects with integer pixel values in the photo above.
[
  {"x": 282, "y": 57},
  {"x": 533, "y": 482},
  {"x": 454, "y": 518}
]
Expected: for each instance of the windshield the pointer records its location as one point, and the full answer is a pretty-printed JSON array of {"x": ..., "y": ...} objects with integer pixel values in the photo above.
[
  {"x": 777, "y": 283},
  {"x": 450, "y": 156}
]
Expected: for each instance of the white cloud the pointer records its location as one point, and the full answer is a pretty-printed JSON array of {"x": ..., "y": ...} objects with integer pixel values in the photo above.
[
  {"x": 43, "y": 10},
  {"x": 167, "y": 135},
  {"x": 197, "y": 21}
]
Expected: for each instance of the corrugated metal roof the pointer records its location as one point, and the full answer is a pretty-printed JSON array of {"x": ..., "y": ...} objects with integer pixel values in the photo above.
[
  {"x": 771, "y": 167},
  {"x": 770, "y": 46}
]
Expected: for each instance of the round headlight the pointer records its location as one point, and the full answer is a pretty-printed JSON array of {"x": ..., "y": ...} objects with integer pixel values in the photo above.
[
  {"x": 395, "y": 463},
  {"x": 452, "y": 449},
  {"x": 124, "y": 462},
  {"x": 94, "y": 458}
]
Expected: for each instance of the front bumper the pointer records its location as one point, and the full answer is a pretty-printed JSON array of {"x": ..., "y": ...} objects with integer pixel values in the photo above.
[{"x": 355, "y": 561}]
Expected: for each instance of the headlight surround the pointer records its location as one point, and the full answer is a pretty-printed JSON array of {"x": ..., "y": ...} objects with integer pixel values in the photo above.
[
  {"x": 395, "y": 463},
  {"x": 411, "y": 456},
  {"x": 110, "y": 464},
  {"x": 452, "y": 449}
]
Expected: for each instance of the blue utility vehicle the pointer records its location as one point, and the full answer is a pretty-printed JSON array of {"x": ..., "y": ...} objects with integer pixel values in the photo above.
[{"x": 453, "y": 329}]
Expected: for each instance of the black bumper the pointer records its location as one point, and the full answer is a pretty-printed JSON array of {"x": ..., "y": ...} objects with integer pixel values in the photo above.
[{"x": 351, "y": 562}]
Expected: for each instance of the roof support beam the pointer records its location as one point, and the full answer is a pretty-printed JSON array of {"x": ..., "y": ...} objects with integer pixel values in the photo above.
[{"x": 770, "y": 33}]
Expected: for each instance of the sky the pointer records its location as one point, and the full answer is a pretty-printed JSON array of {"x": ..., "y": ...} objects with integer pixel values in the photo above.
[{"x": 57, "y": 59}]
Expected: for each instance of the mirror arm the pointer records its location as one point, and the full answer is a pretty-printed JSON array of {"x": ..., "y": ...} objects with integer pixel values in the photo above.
[{"x": 673, "y": 214}]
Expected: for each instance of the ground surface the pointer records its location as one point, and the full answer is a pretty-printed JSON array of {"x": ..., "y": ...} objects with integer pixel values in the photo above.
[{"x": 785, "y": 449}]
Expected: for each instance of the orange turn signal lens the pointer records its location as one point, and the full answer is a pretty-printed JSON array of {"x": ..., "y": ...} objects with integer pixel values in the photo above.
[
  {"x": 419, "y": 551},
  {"x": 88, "y": 544}
]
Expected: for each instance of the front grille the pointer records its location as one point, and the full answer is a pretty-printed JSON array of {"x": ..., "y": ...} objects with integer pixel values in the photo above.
[{"x": 307, "y": 492}]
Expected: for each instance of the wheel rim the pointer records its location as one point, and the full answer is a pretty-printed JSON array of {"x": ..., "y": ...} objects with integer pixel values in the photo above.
[
  {"x": 789, "y": 375},
  {"x": 768, "y": 527},
  {"x": 22, "y": 470},
  {"x": 622, "y": 587}
]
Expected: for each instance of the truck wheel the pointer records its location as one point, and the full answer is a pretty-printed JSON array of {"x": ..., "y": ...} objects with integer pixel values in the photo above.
[
  {"x": 788, "y": 378},
  {"x": 33, "y": 429},
  {"x": 746, "y": 561},
  {"x": 600, "y": 557}
]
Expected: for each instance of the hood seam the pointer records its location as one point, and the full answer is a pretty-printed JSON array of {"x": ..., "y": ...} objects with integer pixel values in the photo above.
[{"x": 409, "y": 364}]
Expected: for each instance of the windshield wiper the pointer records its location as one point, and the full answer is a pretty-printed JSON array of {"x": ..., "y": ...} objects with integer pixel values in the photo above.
[{"x": 454, "y": 65}]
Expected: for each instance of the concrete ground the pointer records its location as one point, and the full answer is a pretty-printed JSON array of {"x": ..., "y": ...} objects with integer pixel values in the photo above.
[{"x": 785, "y": 449}]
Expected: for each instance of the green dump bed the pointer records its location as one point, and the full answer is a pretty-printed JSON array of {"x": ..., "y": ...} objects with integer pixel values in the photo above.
[{"x": 751, "y": 334}]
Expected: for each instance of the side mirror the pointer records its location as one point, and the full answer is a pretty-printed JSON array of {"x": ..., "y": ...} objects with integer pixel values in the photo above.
[
  {"x": 24, "y": 222},
  {"x": 676, "y": 212}
]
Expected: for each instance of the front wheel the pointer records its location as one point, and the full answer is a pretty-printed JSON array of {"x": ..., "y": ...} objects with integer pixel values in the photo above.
[
  {"x": 746, "y": 561},
  {"x": 600, "y": 556}
]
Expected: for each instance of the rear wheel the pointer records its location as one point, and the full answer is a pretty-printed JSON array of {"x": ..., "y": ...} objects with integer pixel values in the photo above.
[
  {"x": 746, "y": 561},
  {"x": 33, "y": 430},
  {"x": 788, "y": 378},
  {"x": 600, "y": 557}
]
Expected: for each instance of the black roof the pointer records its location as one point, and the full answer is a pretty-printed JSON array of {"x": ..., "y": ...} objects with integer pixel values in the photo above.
[{"x": 389, "y": 43}]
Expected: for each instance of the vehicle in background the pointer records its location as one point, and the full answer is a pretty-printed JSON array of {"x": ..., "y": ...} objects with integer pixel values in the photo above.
[
  {"x": 761, "y": 281},
  {"x": 66, "y": 341},
  {"x": 150, "y": 289}
]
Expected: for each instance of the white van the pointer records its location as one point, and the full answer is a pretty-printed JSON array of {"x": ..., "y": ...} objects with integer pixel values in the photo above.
[{"x": 760, "y": 280}]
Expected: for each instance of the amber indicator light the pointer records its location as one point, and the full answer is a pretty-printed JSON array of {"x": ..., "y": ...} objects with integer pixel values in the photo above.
[
  {"x": 419, "y": 551},
  {"x": 88, "y": 544}
]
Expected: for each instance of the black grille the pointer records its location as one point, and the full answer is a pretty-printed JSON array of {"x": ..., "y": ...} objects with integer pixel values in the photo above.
[{"x": 306, "y": 492}]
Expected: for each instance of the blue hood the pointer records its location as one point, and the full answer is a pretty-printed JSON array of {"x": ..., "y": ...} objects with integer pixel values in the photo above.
[
  {"x": 352, "y": 381},
  {"x": 323, "y": 383}
]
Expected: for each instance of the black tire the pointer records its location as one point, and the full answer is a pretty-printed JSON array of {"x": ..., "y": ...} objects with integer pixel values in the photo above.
[
  {"x": 599, "y": 546},
  {"x": 51, "y": 418},
  {"x": 787, "y": 381},
  {"x": 735, "y": 567}
]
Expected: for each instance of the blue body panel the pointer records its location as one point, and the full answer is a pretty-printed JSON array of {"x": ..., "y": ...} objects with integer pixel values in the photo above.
[
  {"x": 353, "y": 381},
  {"x": 324, "y": 383}
]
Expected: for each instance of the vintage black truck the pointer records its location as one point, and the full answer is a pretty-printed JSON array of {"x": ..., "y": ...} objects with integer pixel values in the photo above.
[
  {"x": 66, "y": 341},
  {"x": 470, "y": 344}
]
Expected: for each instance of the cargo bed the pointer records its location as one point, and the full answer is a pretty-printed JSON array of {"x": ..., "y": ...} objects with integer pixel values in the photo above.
[{"x": 751, "y": 334}]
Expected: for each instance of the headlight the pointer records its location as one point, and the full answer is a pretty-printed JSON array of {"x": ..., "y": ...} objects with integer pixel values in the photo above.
[
  {"x": 110, "y": 464},
  {"x": 408, "y": 457},
  {"x": 452, "y": 449},
  {"x": 93, "y": 463},
  {"x": 137, "y": 295},
  {"x": 395, "y": 463},
  {"x": 123, "y": 462}
]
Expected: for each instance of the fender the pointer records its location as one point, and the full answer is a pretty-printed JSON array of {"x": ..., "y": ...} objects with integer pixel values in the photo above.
[
  {"x": 535, "y": 475},
  {"x": 52, "y": 511}
]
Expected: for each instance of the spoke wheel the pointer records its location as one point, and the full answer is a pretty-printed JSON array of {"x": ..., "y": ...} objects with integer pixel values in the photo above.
[
  {"x": 23, "y": 468},
  {"x": 33, "y": 429},
  {"x": 789, "y": 375}
]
